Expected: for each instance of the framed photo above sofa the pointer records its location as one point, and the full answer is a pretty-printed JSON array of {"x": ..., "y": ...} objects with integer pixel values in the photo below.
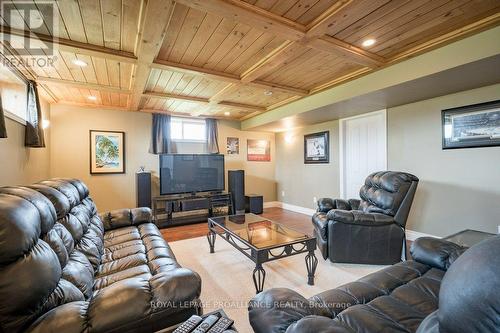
[
  {"x": 107, "y": 152},
  {"x": 471, "y": 126},
  {"x": 316, "y": 148}
]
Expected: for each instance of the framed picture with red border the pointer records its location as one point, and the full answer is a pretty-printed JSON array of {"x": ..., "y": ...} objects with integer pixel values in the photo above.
[{"x": 258, "y": 150}]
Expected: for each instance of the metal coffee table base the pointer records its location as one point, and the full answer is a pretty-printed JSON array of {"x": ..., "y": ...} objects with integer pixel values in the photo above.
[{"x": 260, "y": 256}]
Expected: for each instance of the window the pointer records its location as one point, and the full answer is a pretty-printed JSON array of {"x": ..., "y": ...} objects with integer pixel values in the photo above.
[
  {"x": 14, "y": 94},
  {"x": 184, "y": 129}
]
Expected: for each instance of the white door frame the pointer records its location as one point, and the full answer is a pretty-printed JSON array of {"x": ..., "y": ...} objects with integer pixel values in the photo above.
[{"x": 342, "y": 144}]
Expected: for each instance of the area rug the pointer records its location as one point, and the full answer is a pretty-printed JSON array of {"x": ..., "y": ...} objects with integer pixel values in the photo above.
[{"x": 227, "y": 276}]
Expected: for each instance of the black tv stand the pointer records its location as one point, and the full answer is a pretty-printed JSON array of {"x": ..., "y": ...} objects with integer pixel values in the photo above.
[{"x": 181, "y": 209}]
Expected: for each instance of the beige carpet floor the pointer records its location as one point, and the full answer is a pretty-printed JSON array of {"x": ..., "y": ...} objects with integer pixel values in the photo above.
[{"x": 227, "y": 276}]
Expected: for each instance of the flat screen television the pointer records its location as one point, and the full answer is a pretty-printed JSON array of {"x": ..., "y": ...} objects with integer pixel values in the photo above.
[{"x": 190, "y": 173}]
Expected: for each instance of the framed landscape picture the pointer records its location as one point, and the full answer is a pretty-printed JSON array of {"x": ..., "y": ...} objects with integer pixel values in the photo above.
[
  {"x": 470, "y": 126},
  {"x": 107, "y": 152},
  {"x": 316, "y": 148},
  {"x": 258, "y": 150},
  {"x": 233, "y": 146}
]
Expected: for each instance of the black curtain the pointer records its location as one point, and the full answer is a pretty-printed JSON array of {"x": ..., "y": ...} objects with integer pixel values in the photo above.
[
  {"x": 160, "y": 135},
  {"x": 212, "y": 136},
  {"x": 34, "y": 137},
  {"x": 3, "y": 130}
]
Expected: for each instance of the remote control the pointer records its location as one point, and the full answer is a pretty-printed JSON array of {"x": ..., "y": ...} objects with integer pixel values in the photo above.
[
  {"x": 222, "y": 325},
  {"x": 189, "y": 324},
  {"x": 206, "y": 324}
]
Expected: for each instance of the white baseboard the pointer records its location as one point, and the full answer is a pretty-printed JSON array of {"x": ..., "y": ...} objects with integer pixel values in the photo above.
[
  {"x": 270, "y": 204},
  {"x": 298, "y": 209},
  {"x": 411, "y": 235}
]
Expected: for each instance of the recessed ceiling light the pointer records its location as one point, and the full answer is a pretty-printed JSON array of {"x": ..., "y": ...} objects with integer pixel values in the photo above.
[
  {"x": 268, "y": 92},
  {"x": 368, "y": 42},
  {"x": 227, "y": 113},
  {"x": 79, "y": 62},
  {"x": 92, "y": 98}
]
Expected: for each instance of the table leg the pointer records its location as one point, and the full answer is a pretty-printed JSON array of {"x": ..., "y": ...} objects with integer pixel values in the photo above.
[
  {"x": 259, "y": 276},
  {"x": 211, "y": 240},
  {"x": 311, "y": 264}
]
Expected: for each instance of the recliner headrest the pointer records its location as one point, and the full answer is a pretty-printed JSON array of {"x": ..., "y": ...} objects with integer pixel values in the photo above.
[{"x": 384, "y": 191}]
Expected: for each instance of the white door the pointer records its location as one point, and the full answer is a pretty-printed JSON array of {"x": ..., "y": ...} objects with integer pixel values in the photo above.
[{"x": 363, "y": 150}]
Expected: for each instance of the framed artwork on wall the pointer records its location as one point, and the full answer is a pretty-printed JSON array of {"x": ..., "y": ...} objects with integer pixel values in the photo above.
[
  {"x": 317, "y": 148},
  {"x": 233, "y": 146},
  {"x": 107, "y": 152},
  {"x": 471, "y": 126},
  {"x": 258, "y": 150}
]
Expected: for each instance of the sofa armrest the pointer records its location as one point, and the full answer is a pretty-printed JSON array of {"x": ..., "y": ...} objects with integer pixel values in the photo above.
[
  {"x": 126, "y": 217},
  {"x": 359, "y": 217},
  {"x": 435, "y": 252},
  {"x": 327, "y": 204},
  {"x": 318, "y": 324},
  {"x": 273, "y": 310},
  {"x": 131, "y": 303}
]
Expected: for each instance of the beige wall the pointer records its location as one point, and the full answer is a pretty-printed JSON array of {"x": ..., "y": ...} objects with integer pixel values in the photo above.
[
  {"x": 259, "y": 176},
  {"x": 70, "y": 153},
  {"x": 302, "y": 182},
  {"x": 459, "y": 188},
  {"x": 20, "y": 165}
]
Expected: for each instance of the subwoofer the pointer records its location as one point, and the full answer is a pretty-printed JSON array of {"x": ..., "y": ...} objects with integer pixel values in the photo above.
[
  {"x": 236, "y": 184},
  {"x": 254, "y": 203},
  {"x": 143, "y": 190}
]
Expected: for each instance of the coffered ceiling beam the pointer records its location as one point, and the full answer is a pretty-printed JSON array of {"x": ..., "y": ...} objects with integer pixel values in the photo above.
[
  {"x": 250, "y": 15},
  {"x": 221, "y": 94},
  {"x": 83, "y": 85},
  {"x": 349, "y": 52},
  {"x": 225, "y": 77},
  {"x": 319, "y": 26},
  {"x": 155, "y": 19},
  {"x": 311, "y": 36},
  {"x": 278, "y": 87},
  {"x": 243, "y": 106},
  {"x": 179, "y": 114},
  {"x": 213, "y": 102},
  {"x": 67, "y": 45},
  {"x": 176, "y": 97},
  {"x": 280, "y": 55},
  {"x": 198, "y": 71}
]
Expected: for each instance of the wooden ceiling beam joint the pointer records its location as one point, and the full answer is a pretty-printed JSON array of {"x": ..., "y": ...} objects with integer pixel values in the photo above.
[{"x": 73, "y": 46}]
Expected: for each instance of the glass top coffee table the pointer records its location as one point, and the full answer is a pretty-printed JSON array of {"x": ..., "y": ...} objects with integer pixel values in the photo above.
[{"x": 263, "y": 240}]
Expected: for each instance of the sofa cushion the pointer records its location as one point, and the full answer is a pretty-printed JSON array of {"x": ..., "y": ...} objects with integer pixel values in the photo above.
[{"x": 61, "y": 271}]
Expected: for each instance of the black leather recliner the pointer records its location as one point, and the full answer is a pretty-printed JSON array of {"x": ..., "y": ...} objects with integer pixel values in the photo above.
[
  {"x": 64, "y": 268},
  {"x": 444, "y": 290},
  {"x": 370, "y": 230}
]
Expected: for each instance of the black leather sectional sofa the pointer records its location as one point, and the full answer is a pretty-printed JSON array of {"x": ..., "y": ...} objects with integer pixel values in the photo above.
[
  {"x": 65, "y": 269},
  {"x": 443, "y": 290}
]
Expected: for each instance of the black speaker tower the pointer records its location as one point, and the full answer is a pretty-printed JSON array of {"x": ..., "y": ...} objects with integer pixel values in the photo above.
[
  {"x": 143, "y": 189},
  {"x": 236, "y": 184}
]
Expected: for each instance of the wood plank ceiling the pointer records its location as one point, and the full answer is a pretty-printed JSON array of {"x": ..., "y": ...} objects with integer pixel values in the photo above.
[{"x": 231, "y": 58}]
